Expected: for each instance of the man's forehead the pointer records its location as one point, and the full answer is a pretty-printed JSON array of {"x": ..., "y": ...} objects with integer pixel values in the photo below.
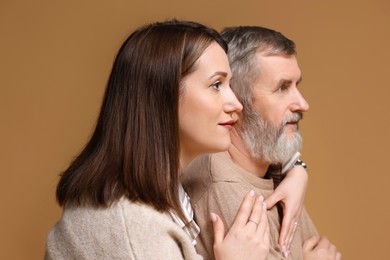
[
  {"x": 264, "y": 56},
  {"x": 280, "y": 67}
]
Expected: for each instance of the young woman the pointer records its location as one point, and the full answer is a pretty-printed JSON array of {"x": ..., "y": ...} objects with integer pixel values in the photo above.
[{"x": 167, "y": 101}]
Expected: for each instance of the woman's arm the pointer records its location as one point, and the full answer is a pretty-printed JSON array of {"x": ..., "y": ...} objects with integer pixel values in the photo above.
[{"x": 291, "y": 195}]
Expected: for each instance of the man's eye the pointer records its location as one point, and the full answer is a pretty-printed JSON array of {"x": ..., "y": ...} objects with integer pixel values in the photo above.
[
  {"x": 283, "y": 88},
  {"x": 216, "y": 86}
]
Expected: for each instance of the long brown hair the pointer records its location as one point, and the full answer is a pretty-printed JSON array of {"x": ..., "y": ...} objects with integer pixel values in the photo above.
[{"x": 134, "y": 150}]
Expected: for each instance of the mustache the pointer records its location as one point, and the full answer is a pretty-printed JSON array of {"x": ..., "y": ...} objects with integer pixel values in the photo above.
[{"x": 294, "y": 117}]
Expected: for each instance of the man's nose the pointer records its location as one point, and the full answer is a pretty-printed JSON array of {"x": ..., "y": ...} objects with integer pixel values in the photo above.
[{"x": 300, "y": 103}]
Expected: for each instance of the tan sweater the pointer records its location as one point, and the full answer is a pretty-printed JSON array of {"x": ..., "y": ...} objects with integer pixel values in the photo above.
[
  {"x": 216, "y": 184},
  {"x": 126, "y": 230}
]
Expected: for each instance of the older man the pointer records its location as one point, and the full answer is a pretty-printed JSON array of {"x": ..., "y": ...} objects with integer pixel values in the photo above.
[{"x": 266, "y": 76}]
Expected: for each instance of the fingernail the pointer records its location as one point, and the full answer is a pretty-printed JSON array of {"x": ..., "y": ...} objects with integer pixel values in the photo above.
[
  {"x": 264, "y": 205},
  {"x": 284, "y": 253},
  {"x": 213, "y": 217},
  {"x": 261, "y": 198},
  {"x": 252, "y": 193}
]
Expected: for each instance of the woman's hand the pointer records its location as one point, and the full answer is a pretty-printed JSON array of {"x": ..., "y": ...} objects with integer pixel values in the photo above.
[
  {"x": 291, "y": 193},
  {"x": 320, "y": 248},
  {"x": 248, "y": 238}
]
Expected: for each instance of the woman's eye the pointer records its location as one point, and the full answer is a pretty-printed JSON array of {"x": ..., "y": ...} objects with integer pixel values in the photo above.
[{"x": 216, "y": 86}]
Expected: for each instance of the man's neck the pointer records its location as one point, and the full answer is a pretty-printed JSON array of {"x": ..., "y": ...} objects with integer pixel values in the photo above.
[{"x": 240, "y": 156}]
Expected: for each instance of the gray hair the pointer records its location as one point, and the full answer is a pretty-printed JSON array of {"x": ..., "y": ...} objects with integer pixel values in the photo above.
[{"x": 243, "y": 43}]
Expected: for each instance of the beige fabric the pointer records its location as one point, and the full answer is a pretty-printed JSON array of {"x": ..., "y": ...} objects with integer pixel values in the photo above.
[
  {"x": 216, "y": 184},
  {"x": 126, "y": 230}
]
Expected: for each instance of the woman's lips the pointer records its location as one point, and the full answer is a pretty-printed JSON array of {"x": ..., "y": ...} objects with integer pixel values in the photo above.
[{"x": 228, "y": 124}]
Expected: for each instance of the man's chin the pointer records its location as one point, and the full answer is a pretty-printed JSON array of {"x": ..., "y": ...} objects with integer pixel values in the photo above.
[
  {"x": 290, "y": 134},
  {"x": 286, "y": 148}
]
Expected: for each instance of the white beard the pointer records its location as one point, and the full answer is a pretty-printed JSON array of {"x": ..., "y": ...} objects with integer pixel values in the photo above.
[{"x": 269, "y": 143}]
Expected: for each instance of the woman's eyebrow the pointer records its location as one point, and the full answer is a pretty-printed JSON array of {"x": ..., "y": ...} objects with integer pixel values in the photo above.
[{"x": 219, "y": 73}]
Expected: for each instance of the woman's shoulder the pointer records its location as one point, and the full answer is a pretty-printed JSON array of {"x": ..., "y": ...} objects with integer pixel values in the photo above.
[
  {"x": 144, "y": 216},
  {"x": 86, "y": 232},
  {"x": 118, "y": 231},
  {"x": 121, "y": 215}
]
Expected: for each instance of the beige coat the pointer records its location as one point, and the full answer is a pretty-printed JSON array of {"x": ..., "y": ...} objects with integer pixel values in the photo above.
[{"x": 126, "y": 230}]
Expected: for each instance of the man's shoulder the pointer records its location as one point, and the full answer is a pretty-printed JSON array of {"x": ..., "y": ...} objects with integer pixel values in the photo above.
[
  {"x": 210, "y": 172},
  {"x": 307, "y": 225}
]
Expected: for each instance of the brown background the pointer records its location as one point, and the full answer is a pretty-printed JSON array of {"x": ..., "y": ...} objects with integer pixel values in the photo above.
[{"x": 55, "y": 58}]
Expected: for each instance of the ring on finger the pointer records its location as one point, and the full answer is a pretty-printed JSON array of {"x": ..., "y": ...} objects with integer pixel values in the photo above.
[{"x": 253, "y": 222}]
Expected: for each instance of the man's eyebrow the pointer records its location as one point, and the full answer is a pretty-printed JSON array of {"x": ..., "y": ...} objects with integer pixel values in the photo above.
[
  {"x": 218, "y": 73},
  {"x": 283, "y": 81}
]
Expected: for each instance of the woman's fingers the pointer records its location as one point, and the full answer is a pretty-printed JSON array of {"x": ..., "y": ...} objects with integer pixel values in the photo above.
[
  {"x": 218, "y": 228},
  {"x": 290, "y": 236},
  {"x": 256, "y": 216},
  {"x": 286, "y": 229},
  {"x": 274, "y": 198},
  {"x": 263, "y": 228},
  {"x": 248, "y": 237},
  {"x": 244, "y": 211}
]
